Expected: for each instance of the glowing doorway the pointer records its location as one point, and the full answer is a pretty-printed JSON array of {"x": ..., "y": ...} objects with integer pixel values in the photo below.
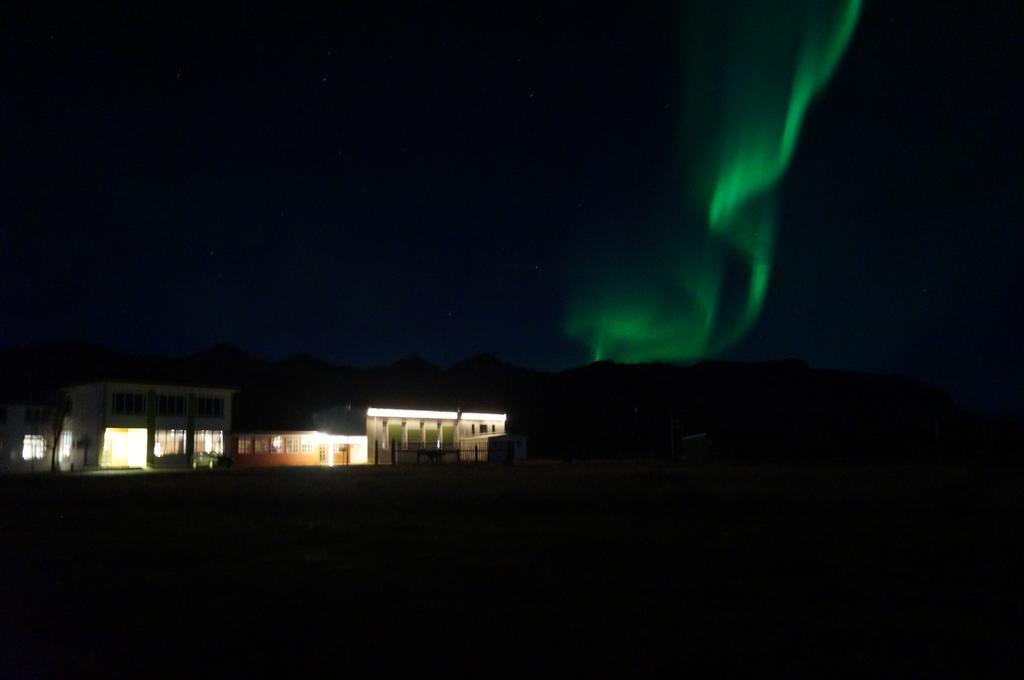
[{"x": 124, "y": 447}]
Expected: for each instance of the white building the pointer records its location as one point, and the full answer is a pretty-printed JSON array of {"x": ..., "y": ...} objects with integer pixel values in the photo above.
[
  {"x": 139, "y": 425},
  {"x": 283, "y": 448},
  {"x": 413, "y": 434},
  {"x": 353, "y": 436},
  {"x": 26, "y": 436}
]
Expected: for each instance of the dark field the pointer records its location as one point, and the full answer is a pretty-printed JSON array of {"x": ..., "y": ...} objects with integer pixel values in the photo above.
[{"x": 526, "y": 570}]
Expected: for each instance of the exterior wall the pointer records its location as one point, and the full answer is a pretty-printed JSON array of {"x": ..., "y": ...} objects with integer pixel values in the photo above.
[
  {"x": 13, "y": 432},
  {"x": 473, "y": 427},
  {"x": 223, "y": 423},
  {"x": 86, "y": 423},
  {"x": 257, "y": 449},
  {"x": 92, "y": 412},
  {"x": 379, "y": 433},
  {"x": 378, "y": 428},
  {"x": 254, "y": 460},
  {"x": 358, "y": 453}
]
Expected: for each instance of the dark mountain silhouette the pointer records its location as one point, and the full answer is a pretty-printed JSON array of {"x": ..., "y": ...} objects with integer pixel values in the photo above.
[{"x": 780, "y": 410}]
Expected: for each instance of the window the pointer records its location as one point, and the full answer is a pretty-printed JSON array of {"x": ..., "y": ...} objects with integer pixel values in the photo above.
[
  {"x": 261, "y": 445},
  {"x": 276, "y": 444},
  {"x": 209, "y": 441},
  {"x": 170, "y": 405},
  {"x": 307, "y": 446},
  {"x": 65, "y": 445},
  {"x": 33, "y": 447},
  {"x": 210, "y": 407},
  {"x": 395, "y": 434},
  {"x": 245, "y": 446},
  {"x": 292, "y": 444},
  {"x": 129, "y": 404},
  {"x": 168, "y": 442}
]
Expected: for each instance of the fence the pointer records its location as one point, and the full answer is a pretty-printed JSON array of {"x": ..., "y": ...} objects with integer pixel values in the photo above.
[{"x": 462, "y": 452}]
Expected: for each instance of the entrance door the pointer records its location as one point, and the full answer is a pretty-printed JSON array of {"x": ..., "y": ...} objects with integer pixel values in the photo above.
[{"x": 124, "y": 447}]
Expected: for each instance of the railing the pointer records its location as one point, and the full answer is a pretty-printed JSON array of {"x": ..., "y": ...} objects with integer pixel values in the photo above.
[{"x": 460, "y": 452}]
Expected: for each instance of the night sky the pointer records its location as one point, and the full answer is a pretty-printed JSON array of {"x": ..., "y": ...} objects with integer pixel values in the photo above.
[{"x": 385, "y": 179}]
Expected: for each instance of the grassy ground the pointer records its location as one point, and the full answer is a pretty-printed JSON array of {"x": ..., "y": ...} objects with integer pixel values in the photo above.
[{"x": 526, "y": 570}]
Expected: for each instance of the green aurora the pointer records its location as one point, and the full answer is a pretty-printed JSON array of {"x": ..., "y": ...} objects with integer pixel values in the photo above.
[{"x": 751, "y": 70}]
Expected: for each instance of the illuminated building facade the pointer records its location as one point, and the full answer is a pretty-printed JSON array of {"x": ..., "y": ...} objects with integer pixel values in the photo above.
[
  {"x": 409, "y": 435},
  {"x": 383, "y": 436},
  {"x": 297, "y": 447},
  {"x": 26, "y": 437},
  {"x": 139, "y": 425}
]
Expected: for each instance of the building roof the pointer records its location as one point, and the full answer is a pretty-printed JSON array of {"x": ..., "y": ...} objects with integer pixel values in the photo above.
[
  {"x": 148, "y": 383},
  {"x": 432, "y": 415}
]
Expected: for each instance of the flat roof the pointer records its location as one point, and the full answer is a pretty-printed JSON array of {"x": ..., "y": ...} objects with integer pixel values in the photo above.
[
  {"x": 375, "y": 412},
  {"x": 144, "y": 383}
]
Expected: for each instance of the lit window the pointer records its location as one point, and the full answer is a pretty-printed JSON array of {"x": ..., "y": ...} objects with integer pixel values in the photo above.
[
  {"x": 168, "y": 442},
  {"x": 276, "y": 444},
  {"x": 245, "y": 446},
  {"x": 33, "y": 447},
  {"x": 209, "y": 441},
  {"x": 65, "y": 445},
  {"x": 395, "y": 434}
]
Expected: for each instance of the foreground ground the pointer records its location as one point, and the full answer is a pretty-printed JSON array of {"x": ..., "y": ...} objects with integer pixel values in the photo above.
[{"x": 526, "y": 570}]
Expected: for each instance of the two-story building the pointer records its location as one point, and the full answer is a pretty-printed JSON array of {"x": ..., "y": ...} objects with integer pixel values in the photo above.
[
  {"x": 138, "y": 425},
  {"x": 26, "y": 438}
]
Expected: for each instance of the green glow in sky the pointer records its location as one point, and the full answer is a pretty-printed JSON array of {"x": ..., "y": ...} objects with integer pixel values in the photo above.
[{"x": 751, "y": 71}]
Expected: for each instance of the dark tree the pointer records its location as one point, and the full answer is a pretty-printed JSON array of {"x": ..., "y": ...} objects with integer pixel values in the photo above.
[{"x": 57, "y": 414}]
